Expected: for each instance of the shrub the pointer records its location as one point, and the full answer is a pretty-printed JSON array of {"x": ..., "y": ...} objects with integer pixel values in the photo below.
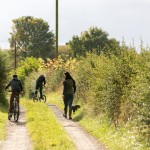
[{"x": 3, "y": 75}]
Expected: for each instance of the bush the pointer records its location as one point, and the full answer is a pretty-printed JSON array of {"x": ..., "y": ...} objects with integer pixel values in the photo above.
[
  {"x": 117, "y": 88},
  {"x": 3, "y": 76}
]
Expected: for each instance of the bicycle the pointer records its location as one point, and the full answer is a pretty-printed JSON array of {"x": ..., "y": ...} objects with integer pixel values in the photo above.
[
  {"x": 16, "y": 107},
  {"x": 36, "y": 97}
]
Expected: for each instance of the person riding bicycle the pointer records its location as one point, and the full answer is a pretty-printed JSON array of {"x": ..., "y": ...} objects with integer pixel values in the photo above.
[
  {"x": 16, "y": 88},
  {"x": 39, "y": 85}
]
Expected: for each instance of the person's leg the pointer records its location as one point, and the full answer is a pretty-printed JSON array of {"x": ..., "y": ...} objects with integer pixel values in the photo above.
[
  {"x": 11, "y": 107},
  {"x": 70, "y": 106},
  {"x": 65, "y": 106},
  {"x": 41, "y": 93},
  {"x": 36, "y": 88}
]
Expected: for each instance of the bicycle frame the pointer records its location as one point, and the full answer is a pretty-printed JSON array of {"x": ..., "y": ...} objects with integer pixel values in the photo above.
[
  {"x": 37, "y": 97},
  {"x": 16, "y": 107}
]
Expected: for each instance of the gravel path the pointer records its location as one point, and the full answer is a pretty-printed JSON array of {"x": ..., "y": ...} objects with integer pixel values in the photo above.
[
  {"x": 17, "y": 137},
  {"x": 82, "y": 140}
]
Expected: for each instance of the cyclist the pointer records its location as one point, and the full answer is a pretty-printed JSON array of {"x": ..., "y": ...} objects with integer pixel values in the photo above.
[
  {"x": 16, "y": 88},
  {"x": 39, "y": 84}
]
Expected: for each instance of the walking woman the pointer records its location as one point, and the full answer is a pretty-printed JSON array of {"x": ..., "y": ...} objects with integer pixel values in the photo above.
[{"x": 69, "y": 89}]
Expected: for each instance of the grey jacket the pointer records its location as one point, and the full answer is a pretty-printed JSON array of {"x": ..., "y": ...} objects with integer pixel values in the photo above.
[{"x": 15, "y": 84}]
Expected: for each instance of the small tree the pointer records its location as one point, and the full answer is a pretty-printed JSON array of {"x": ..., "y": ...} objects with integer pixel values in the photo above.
[{"x": 32, "y": 37}]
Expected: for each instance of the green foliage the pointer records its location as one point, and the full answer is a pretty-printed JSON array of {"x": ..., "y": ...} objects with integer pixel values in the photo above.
[
  {"x": 140, "y": 94},
  {"x": 94, "y": 40},
  {"x": 53, "y": 71},
  {"x": 3, "y": 75},
  {"x": 27, "y": 66},
  {"x": 32, "y": 37},
  {"x": 117, "y": 88}
]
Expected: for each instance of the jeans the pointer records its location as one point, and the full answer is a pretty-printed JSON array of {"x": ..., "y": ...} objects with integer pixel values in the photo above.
[{"x": 68, "y": 99}]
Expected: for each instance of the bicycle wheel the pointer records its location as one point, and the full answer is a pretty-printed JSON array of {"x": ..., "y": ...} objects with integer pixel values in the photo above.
[
  {"x": 44, "y": 98},
  {"x": 16, "y": 111},
  {"x": 34, "y": 98}
]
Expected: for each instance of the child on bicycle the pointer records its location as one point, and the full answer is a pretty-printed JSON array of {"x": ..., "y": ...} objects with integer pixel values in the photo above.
[
  {"x": 39, "y": 85},
  {"x": 16, "y": 88}
]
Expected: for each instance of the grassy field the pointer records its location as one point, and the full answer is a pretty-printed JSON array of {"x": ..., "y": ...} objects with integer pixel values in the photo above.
[
  {"x": 45, "y": 131},
  {"x": 115, "y": 138},
  {"x": 3, "y": 120}
]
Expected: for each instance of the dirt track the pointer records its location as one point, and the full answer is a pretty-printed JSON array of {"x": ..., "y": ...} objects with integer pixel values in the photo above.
[
  {"x": 17, "y": 137},
  {"x": 82, "y": 140}
]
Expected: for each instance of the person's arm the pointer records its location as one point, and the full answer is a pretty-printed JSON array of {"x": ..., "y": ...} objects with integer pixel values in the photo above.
[
  {"x": 44, "y": 81},
  {"x": 7, "y": 86},
  {"x": 20, "y": 85},
  {"x": 64, "y": 87},
  {"x": 74, "y": 86}
]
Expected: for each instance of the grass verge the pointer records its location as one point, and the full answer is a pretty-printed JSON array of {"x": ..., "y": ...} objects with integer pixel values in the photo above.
[
  {"x": 3, "y": 120},
  {"x": 120, "y": 138},
  {"x": 45, "y": 131}
]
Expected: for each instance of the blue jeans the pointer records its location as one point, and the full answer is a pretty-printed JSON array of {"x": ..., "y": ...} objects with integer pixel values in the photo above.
[{"x": 68, "y": 99}]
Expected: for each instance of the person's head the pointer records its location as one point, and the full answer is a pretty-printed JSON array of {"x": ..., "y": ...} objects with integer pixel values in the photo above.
[
  {"x": 67, "y": 75},
  {"x": 15, "y": 76},
  {"x": 43, "y": 75}
]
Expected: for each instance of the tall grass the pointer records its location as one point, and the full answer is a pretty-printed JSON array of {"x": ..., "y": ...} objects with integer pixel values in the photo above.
[
  {"x": 44, "y": 129},
  {"x": 3, "y": 120}
]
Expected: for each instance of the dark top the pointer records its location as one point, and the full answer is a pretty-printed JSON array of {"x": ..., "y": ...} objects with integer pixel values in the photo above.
[
  {"x": 41, "y": 79},
  {"x": 15, "y": 84},
  {"x": 69, "y": 87}
]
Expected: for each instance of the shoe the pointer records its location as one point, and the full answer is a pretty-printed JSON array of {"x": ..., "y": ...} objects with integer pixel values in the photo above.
[
  {"x": 65, "y": 115},
  {"x": 70, "y": 118}
]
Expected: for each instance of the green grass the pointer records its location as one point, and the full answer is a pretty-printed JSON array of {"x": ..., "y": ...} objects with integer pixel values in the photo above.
[
  {"x": 3, "y": 120},
  {"x": 121, "y": 138},
  {"x": 45, "y": 131},
  {"x": 56, "y": 98}
]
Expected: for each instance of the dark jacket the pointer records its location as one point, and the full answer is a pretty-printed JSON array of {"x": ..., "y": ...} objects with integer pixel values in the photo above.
[
  {"x": 41, "y": 80},
  {"x": 15, "y": 84},
  {"x": 69, "y": 87}
]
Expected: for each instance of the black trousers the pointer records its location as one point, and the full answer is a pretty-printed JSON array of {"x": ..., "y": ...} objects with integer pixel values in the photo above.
[
  {"x": 40, "y": 88},
  {"x": 68, "y": 100}
]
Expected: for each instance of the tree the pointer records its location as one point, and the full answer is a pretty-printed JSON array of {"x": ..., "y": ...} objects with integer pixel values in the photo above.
[
  {"x": 94, "y": 40},
  {"x": 32, "y": 37},
  {"x": 77, "y": 46},
  {"x": 4, "y": 69}
]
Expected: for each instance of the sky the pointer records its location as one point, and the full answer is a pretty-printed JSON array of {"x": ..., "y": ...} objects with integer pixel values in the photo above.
[{"x": 127, "y": 20}]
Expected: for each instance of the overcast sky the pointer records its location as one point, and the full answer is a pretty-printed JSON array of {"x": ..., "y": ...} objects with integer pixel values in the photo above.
[{"x": 128, "y": 19}]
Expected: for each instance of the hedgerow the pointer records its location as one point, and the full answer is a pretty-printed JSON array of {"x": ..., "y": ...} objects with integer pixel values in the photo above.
[
  {"x": 3, "y": 75},
  {"x": 117, "y": 88}
]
